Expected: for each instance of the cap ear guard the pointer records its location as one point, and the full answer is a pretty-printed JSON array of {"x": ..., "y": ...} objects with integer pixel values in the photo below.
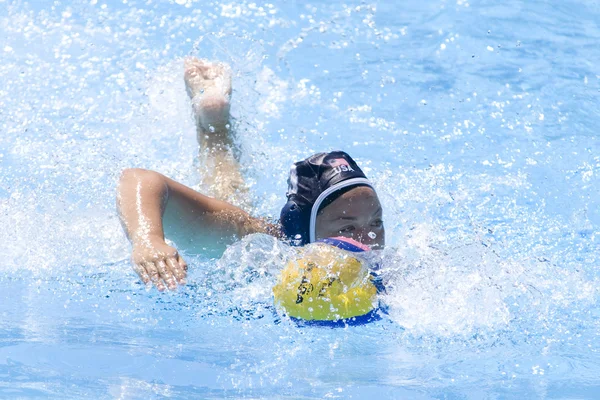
[{"x": 295, "y": 223}]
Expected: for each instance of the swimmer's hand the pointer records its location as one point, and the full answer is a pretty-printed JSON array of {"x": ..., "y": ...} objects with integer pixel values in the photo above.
[{"x": 157, "y": 262}]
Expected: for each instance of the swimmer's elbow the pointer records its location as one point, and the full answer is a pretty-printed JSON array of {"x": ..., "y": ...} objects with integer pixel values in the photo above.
[
  {"x": 135, "y": 177},
  {"x": 137, "y": 174}
]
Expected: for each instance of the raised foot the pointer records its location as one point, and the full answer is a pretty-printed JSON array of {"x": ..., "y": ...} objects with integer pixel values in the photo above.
[{"x": 209, "y": 86}]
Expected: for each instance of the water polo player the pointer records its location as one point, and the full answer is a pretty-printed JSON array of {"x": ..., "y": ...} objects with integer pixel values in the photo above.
[{"x": 328, "y": 194}]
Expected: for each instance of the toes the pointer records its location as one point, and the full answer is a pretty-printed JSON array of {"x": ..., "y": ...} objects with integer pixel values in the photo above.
[
  {"x": 201, "y": 76},
  {"x": 194, "y": 67},
  {"x": 206, "y": 69},
  {"x": 189, "y": 62},
  {"x": 190, "y": 73},
  {"x": 194, "y": 62}
]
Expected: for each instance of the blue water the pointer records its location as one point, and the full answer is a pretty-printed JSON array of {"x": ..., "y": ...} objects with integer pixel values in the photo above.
[{"x": 477, "y": 121}]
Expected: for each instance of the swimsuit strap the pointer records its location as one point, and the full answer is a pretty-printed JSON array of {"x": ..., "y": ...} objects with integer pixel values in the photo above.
[{"x": 345, "y": 243}]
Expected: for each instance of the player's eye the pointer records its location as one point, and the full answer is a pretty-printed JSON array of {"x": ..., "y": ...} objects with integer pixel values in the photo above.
[
  {"x": 377, "y": 223},
  {"x": 347, "y": 229}
]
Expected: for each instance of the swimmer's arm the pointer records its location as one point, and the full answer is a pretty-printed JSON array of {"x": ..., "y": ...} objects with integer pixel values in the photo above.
[
  {"x": 141, "y": 199},
  {"x": 145, "y": 197}
]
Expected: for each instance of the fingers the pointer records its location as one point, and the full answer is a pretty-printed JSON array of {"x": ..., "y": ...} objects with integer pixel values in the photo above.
[
  {"x": 141, "y": 271},
  {"x": 163, "y": 267},
  {"x": 182, "y": 263},
  {"x": 154, "y": 275},
  {"x": 166, "y": 274},
  {"x": 176, "y": 269}
]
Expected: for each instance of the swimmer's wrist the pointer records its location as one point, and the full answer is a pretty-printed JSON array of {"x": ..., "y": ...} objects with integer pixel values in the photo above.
[{"x": 145, "y": 240}]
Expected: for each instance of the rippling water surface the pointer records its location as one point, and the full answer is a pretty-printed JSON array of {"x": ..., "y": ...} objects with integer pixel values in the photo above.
[{"x": 477, "y": 120}]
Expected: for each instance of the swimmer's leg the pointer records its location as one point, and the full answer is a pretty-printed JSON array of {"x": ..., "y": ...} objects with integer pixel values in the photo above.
[{"x": 209, "y": 86}]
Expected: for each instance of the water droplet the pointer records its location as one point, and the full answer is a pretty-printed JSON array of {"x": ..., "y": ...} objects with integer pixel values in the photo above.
[
  {"x": 201, "y": 91},
  {"x": 227, "y": 126},
  {"x": 211, "y": 128},
  {"x": 372, "y": 235}
]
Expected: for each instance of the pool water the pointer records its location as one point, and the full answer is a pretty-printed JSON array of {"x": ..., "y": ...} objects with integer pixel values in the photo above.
[{"x": 476, "y": 120}]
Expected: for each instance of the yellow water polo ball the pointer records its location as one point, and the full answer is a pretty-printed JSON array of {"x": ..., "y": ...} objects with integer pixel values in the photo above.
[{"x": 325, "y": 283}]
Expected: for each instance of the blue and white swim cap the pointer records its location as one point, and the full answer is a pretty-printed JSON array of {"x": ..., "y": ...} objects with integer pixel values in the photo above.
[{"x": 313, "y": 183}]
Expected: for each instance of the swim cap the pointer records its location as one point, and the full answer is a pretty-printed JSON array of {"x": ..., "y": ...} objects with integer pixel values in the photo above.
[
  {"x": 312, "y": 183},
  {"x": 326, "y": 283}
]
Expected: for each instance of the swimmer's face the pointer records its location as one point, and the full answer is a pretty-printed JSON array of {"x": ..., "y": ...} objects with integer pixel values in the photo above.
[{"x": 356, "y": 214}]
